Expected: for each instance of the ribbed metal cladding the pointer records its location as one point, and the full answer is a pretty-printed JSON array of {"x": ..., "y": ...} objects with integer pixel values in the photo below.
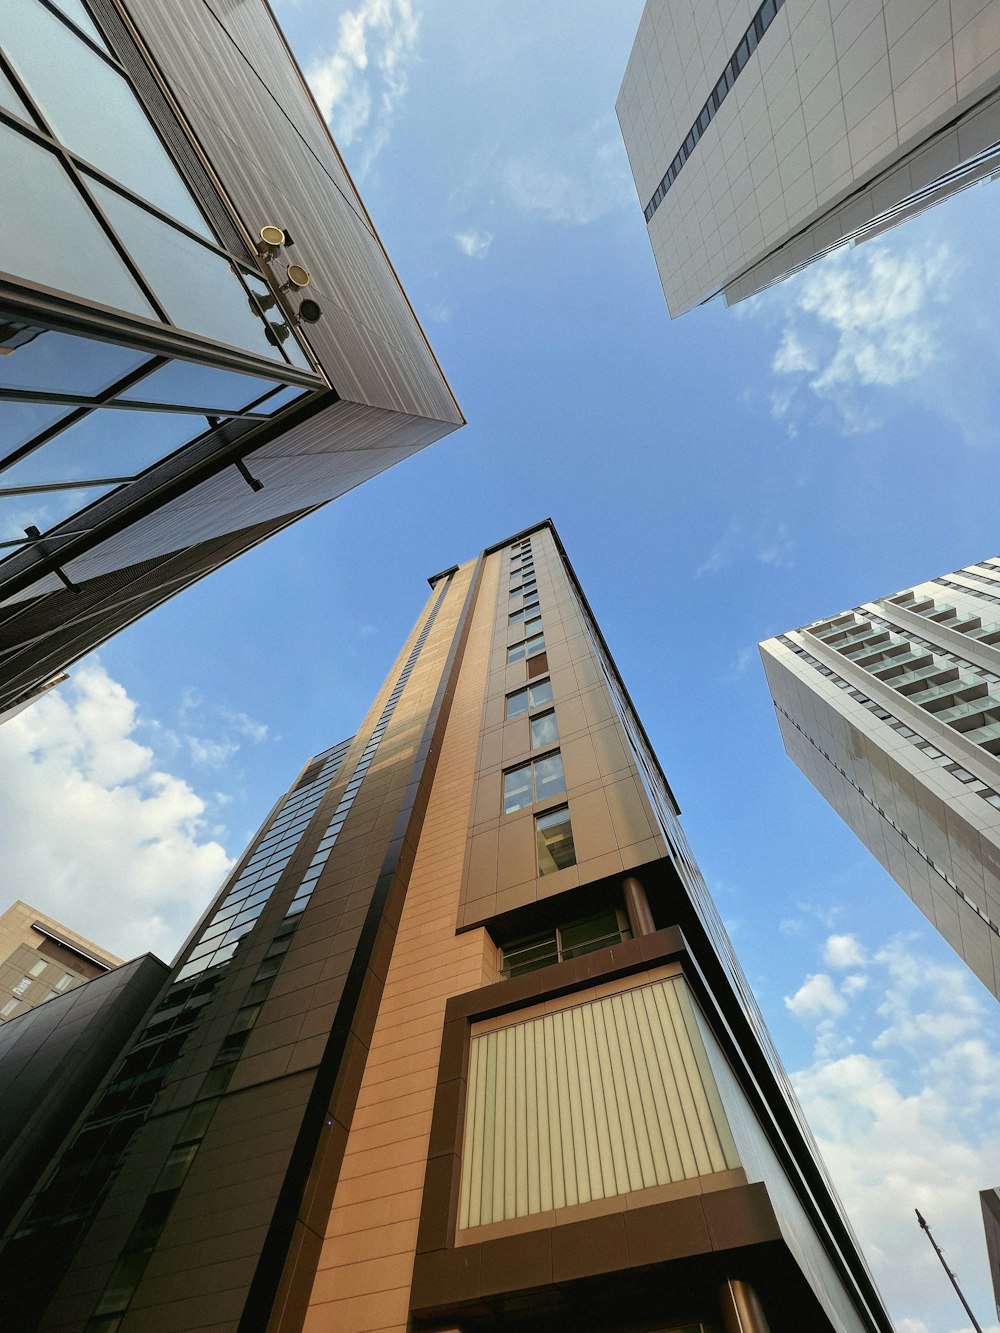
[{"x": 601, "y": 1098}]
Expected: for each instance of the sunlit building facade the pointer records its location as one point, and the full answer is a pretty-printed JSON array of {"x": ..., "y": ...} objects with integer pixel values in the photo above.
[
  {"x": 462, "y": 1044},
  {"x": 764, "y": 135},
  {"x": 201, "y": 336},
  {"x": 892, "y": 710}
]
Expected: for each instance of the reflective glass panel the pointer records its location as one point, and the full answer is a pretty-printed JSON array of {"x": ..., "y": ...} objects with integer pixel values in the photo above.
[
  {"x": 58, "y": 240},
  {"x": 540, "y": 693},
  {"x": 106, "y": 443},
  {"x": 549, "y": 779},
  {"x": 75, "y": 10},
  {"x": 198, "y": 288},
  {"x": 544, "y": 730},
  {"x": 517, "y": 789},
  {"x": 62, "y": 363},
  {"x": 554, "y": 841},
  {"x": 44, "y": 511},
  {"x": 281, "y": 399},
  {"x": 191, "y": 385},
  {"x": 92, "y": 109},
  {"x": 517, "y": 703},
  {"x": 583, "y": 936},
  {"x": 10, "y": 98},
  {"x": 19, "y": 422},
  {"x": 283, "y": 333}
]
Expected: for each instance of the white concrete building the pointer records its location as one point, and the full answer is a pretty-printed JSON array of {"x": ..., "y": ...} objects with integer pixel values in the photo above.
[
  {"x": 892, "y": 710},
  {"x": 763, "y": 135}
]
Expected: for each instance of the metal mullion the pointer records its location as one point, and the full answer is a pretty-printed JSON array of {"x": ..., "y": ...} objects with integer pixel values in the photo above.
[
  {"x": 123, "y": 404},
  {"x": 62, "y": 486},
  {"x": 62, "y": 312}
]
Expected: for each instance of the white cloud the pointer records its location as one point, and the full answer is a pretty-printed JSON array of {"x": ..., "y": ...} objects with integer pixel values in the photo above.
[
  {"x": 908, "y": 1120},
  {"x": 473, "y": 243},
  {"x": 93, "y": 831},
  {"x": 817, "y": 997},
  {"x": 768, "y": 542},
  {"x": 843, "y": 951},
  {"x": 861, "y": 321},
  {"x": 572, "y": 181},
  {"x": 360, "y": 84}
]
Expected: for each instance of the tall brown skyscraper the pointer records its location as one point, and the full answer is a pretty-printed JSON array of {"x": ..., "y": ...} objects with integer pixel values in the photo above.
[{"x": 461, "y": 1045}]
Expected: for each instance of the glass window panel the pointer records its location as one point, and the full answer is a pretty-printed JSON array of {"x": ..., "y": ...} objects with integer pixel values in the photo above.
[
  {"x": 188, "y": 384},
  {"x": 38, "y": 968},
  {"x": 535, "y": 646},
  {"x": 517, "y": 789},
  {"x": 544, "y": 730},
  {"x": 582, "y": 937},
  {"x": 540, "y": 693},
  {"x": 281, "y": 399},
  {"x": 93, "y": 110},
  {"x": 21, "y": 422},
  {"x": 515, "y": 652},
  {"x": 198, "y": 288},
  {"x": 62, "y": 363},
  {"x": 289, "y": 342},
  {"x": 106, "y": 443},
  {"x": 549, "y": 778},
  {"x": 74, "y": 9},
  {"x": 43, "y": 511},
  {"x": 59, "y": 241},
  {"x": 529, "y": 954},
  {"x": 554, "y": 841},
  {"x": 517, "y": 703}
]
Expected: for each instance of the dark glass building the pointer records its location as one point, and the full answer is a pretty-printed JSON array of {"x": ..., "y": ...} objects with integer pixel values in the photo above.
[
  {"x": 461, "y": 1045},
  {"x": 201, "y": 336}
]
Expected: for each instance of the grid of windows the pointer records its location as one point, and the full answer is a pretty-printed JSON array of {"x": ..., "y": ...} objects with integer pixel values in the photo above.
[
  {"x": 532, "y": 643},
  {"x": 975, "y": 785},
  {"x": 102, "y": 213},
  {"x": 536, "y": 695},
  {"x": 237, "y": 913},
  {"x": 571, "y": 940},
  {"x": 760, "y": 23},
  {"x": 538, "y": 780}
]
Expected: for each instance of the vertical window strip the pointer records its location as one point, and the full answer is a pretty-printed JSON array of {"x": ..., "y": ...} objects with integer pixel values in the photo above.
[
  {"x": 760, "y": 23},
  {"x": 332, "y": 832}
]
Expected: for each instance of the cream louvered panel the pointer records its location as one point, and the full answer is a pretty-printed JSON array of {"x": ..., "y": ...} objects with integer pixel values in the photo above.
[{"x": 596, "y": 1099}]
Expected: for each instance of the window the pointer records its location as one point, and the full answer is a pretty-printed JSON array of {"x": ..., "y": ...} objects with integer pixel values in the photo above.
[
  {"x": 65, "y": 980},
  {"x": 532, "y": 696},
  {"x": 38, "y": 968},
  {"x": 9, "y": 1008},
  {"x": 515, "y": 616},
  {"x": 554, "y": 841},
  {"x": 537, "y": 665},
  {"x": 527, "y": 647},
  {"x": 537, "y": 781},
  {"x": 561, "y": 942},
  {"x": 544, "y": 729}
]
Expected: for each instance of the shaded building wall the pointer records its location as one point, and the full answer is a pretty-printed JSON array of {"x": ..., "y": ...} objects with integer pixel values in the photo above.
[{"x": 52, "y": 1060}]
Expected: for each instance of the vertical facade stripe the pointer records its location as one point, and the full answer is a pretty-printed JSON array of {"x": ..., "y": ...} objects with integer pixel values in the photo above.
[{"x": 603, "y": 1098}]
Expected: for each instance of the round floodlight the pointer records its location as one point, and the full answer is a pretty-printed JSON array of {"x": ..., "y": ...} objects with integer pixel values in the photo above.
[
  {"x": 272, "y": 236},
  {"x": 297, "y": 276},
  {"x": 309, "y": 311}
]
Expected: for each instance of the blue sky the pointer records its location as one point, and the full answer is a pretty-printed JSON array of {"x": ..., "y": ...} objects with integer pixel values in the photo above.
[{"x": 715, "y": 479}]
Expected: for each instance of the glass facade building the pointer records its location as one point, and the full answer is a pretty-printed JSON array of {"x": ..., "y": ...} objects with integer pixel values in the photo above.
[
  {"x": 461, "y": 1044},
  {"x": 174, "y": 386},
  {"x": 892, "y": 710}
]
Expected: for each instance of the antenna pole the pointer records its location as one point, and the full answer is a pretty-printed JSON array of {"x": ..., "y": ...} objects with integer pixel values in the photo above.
[{"x": 951, "y": 1276}]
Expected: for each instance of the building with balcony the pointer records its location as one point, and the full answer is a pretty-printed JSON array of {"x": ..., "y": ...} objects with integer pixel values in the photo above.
[
  {"x": 462, "y": 1042},
  {"x": 762, "y": 136},
  {"x": 892, "y": 710},
  {"x": 202, "y": 338}
]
